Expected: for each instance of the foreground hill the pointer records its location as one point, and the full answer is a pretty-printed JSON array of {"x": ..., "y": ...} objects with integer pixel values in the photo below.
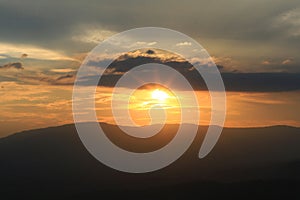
[{"x": 245, "y": 163}]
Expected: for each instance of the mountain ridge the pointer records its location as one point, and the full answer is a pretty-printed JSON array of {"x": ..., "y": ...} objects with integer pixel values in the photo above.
[{"x": 55, "y": 161}]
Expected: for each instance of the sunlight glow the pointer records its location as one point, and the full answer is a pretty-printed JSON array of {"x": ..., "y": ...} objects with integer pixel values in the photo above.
[{"x": 159, "y": 95}]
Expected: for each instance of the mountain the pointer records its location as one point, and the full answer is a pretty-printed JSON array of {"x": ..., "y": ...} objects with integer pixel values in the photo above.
[{"x": 245, "y": 163}]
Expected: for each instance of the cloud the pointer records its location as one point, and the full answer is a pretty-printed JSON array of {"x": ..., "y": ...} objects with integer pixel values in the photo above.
[
  {"x": 26, "y": 105},
  {"x": 261, "y": 82},
  {"x": 278, "y": 63},
  {"x": 15, "y": 65},
  {"x": 129, "y": 60},
  {"x": 226, "y": 63},
  {"x": 290, "y": 21},
  {"x": 184, "y": 44},
  {"x": 142, "y": 44},
  {"x": 233, "y": 80},
  {"x": 232, "y": 29},
  {"x": 68, "y": 76},
  {"x": 150, "y": 52},
  {"x": 287, "y": 61},
  {"x": 92, "y": 34},
  {"x": 260, "y": 98},
  {"x": 45, "y": 79},
  {"x": 62, "y": 70},
  {"x": 266, "y": 62},
  {"x": 24, "y": 55},
  {"x": 3, "y": 57},
  {"x": 231, "y": 19},
  {"x": 146, "y": 43},
  {"x": 23, "y": 51}
]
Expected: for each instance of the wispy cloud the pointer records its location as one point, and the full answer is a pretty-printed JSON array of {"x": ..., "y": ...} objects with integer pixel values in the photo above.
[
  {"x": 184, "y": 44},
  {"x": 287, "y": 61},
  {"x": 44, "y": 79},
  {"x": 266, "y": 62},
  {"x": 141, "y": 44},
  {"x": 62, "y": 70},
  {"x": 290, "y": 22},
  {"x": 92, "y": 34},
  {"x": 24, "y": 106},
  {"x": 25, "y": 51}
]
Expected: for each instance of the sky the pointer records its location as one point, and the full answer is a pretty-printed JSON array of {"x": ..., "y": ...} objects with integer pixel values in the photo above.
[{"x": 255, "y": 44}]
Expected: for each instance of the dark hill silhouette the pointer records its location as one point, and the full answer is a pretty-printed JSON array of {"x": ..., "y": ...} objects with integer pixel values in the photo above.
[{"x": 246, "y": 163}]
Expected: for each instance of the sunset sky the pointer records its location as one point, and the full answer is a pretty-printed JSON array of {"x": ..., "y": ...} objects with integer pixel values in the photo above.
[{"x": 255, "y": 44}]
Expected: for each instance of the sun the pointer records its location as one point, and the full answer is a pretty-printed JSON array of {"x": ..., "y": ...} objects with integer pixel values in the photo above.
[
  {"x": 159, "y": 95},
  {"x": 145, "y": 105}
]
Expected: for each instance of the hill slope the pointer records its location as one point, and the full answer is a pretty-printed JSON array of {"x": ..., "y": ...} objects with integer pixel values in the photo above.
[{"x": 53, "y": 163}]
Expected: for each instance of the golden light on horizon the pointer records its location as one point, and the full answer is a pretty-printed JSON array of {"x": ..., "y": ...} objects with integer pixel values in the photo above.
[
  {"x": 154, "y": 97},
  {"x": 146, "y": 101}
]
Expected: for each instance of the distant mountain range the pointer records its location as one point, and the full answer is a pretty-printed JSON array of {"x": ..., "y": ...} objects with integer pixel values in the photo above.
[{"x": 246, "y": 163}]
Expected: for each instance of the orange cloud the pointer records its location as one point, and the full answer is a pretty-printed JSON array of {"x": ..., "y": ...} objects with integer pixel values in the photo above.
[
  {"x": 287, "y": 61},
  {"x": 266, "y": 62}
]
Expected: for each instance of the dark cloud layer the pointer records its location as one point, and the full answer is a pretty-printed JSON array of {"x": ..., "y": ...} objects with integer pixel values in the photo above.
[
  {"x": 67, "y": 79},
  {"x": 15, "y": 65},
  {"x": 253, "y": 30},
  {"x": 261, "y": 82},
  {"x": 53, "y": 23},
  {"x": 234, "y": 81}
]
